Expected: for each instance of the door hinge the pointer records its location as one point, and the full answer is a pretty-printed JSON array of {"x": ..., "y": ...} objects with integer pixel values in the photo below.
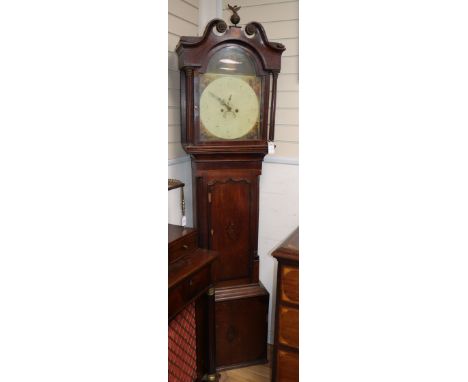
[{"x": 209, "y": 197}]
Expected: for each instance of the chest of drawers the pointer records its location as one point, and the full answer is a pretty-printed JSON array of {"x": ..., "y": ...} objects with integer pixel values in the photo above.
[{"x": 286, "y": 347}]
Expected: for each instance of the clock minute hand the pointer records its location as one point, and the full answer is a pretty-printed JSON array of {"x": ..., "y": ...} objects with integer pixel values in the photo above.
[{"x": 221, "y": 101}]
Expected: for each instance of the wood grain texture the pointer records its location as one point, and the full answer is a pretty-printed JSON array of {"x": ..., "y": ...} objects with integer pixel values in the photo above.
[
  {"x": 288, "y": 326},
  {"x": 190, "y": 280},
  {"x": 286, "y": 349},
  {"x": 290, "y": 286},
  {"x": 229, "y": 227},
  {"x": 288, "y": 367},
  {"x": 241, "y": 326},
  {"x": 182, "y": 240},
  {"x": 226, "y": 201},
  {"x": 289, "y": 249},
  {"x": 189, "y": 277}
]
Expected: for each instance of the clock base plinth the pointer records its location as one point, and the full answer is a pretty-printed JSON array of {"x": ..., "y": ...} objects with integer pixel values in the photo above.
[{"x": 241, "y": 326}]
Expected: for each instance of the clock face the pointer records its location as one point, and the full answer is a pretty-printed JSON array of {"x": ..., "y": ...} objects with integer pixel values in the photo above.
[{"x": 229, "y": 107}]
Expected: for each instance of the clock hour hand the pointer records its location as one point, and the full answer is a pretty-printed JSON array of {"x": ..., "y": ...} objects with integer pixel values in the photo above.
[{"x": 231, "y": 107}]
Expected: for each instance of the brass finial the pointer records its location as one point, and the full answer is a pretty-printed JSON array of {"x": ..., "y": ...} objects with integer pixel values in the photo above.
[{"x": 235, "y": 17}]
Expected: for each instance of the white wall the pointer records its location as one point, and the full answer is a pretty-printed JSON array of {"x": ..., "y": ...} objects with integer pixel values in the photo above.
[
  {"x": 182, "y": 21},
  {"x": 180, "y": 169},
  {"x": 208, "y": 10},
  {"x": 279, "y": 216}
]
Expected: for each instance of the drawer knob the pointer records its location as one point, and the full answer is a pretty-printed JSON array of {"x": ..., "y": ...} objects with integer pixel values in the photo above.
[
  {"x": 185, "y": 246},
  {"x": 190, "y": 283}
]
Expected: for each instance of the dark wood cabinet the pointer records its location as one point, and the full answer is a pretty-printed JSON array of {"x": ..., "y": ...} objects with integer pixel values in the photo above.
[
  {"x": 286, "y": 347},
  {"x": 191, "y": 308},
  {"x": 229, "y": 224}
]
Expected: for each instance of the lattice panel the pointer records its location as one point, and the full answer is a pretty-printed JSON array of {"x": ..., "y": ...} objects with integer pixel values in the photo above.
[{"x": 182, "y": 346}]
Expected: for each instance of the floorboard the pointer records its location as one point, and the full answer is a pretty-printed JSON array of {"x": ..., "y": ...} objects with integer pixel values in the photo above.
[{"x": 256, "y": 373}]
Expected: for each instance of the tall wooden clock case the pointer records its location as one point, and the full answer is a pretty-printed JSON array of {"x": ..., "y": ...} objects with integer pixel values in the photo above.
[{"x": 228, "y": 80}]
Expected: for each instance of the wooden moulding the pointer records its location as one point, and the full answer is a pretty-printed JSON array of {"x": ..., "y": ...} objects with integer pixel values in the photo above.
[
  {"x": 193, "y": 49},
  {"x": 238, "y": 292},
  {"x": 194, "y": 54},
  {"x": 289, "y": 249}
]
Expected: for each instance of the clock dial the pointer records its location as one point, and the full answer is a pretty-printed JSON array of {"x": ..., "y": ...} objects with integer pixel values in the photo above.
[{"x": 229, "y": 107}]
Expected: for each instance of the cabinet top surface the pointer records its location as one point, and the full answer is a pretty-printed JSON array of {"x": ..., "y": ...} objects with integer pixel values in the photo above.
[
  {"x": 289, "y": 249},
  {"x": 189, "y": 264},
  {"x": 176, "y": 232}
]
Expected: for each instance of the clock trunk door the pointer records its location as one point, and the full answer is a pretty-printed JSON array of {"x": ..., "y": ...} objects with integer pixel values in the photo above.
[{"x": 229, "y": 227}]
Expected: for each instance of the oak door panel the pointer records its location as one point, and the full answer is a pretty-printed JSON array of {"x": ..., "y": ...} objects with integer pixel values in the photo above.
[{"x": 229, "y": 228}]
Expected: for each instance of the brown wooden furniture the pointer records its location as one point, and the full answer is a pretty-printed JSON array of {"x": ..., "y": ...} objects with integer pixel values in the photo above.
[
  {"x": 242, "y": 324},
  {"x": 191, "y": 286},
  {"x": 286, "y": 347},
  {"x": 226, "y": 169}
]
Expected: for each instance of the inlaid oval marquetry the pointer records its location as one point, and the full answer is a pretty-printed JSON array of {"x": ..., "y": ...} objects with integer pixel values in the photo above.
[
  {"x": 289, "y": 326},
  {"x": 231, "y": 333},
  {"x": 290, "y": 284},
  {"x": 232, "y": 231}
]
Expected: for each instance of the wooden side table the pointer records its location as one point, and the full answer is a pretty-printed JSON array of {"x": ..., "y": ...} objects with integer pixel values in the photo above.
[{"x": 286, "y": 347}]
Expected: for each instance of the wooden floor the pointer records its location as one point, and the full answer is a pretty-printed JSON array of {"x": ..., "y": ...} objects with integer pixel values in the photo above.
[{"x": 257, "y": 373}]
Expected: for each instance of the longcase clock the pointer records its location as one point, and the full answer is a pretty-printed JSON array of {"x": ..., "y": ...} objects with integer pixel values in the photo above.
[{"x": 228, "y": 82}]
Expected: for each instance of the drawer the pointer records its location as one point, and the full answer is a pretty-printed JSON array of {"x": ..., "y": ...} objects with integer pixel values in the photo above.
[
  {"x": 175, "y": 300},
  {"x": 290, "y": 284},
  {"x": 196, "y": 283},
  {"x": 288, "y": 326},
  {"x": 182, "y": 246},
  {"x": 181, "y": 295},
  {"x": 287, "y": 366}
]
